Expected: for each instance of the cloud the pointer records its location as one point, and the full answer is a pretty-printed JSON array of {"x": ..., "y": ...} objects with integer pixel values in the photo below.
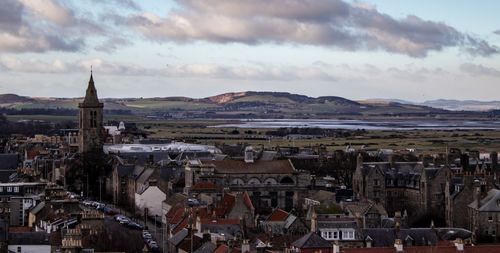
[
  {"x": 329, "y": 23},
  {"x": 129, "y": 4},
  {"x": 479, "y": 70},
  {"x": 52, "y": 25},
  {"x": 21, "y": 29},
  {"x": 497, "y": 32},
  {"x": 211, "y": 71},
  {"x": 50, "y": 10},
  {"x": 112, "y": 44}
]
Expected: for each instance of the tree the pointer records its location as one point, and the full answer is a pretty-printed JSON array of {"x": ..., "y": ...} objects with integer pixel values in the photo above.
[{"x": 85, "y": 172}]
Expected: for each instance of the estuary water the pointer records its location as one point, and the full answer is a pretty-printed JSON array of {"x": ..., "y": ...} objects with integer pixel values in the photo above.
[{"x": 364, "y": 124}]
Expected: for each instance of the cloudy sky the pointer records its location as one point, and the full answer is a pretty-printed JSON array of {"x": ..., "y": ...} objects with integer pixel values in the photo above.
[{"x": 414, "y": 50}]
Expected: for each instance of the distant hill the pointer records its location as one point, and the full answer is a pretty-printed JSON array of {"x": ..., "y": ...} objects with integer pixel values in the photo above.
[
  {"x": 446, "y": 104},
  {"x": 463, "y": 105},
  {"x": 237, "y": 104},
  {"x": 13, "y": 99}
]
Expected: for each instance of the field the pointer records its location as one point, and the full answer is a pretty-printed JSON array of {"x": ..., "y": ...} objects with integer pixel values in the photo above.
[
  {"x": 423, "y": 140},
  {"x": 200, "y": 131}
]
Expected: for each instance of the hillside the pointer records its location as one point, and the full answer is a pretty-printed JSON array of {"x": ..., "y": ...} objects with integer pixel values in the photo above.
[{"x": 240, "y": 104}]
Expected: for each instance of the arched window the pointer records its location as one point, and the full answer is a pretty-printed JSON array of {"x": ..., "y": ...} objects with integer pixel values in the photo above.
[
  {"x": 287, "y": 180},
  {"x": 254, "y": 181},
  {"x": 237, "y": 181},
  {"x": 270, "y": 181}
]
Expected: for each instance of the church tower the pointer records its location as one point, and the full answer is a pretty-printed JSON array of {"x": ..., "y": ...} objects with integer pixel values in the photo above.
[{"x": 90, "y": 119}]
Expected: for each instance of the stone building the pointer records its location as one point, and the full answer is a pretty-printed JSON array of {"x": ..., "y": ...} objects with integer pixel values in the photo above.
[
  {"x": 90, "y": 120},
  {"x": 484, "y": 216},
  {"x": 403, "y": 186},
  {"x": 473, "y": 180},
  {"x": 269, "y": 183}
]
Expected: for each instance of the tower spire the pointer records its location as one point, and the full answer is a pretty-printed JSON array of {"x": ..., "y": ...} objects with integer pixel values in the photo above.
[
  {"x": 91, "y": 94},
  {"x": 91, "y": 78}
]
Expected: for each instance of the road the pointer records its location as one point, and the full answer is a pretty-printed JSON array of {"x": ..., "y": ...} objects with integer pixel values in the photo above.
[{"x": 156, "y": 230}]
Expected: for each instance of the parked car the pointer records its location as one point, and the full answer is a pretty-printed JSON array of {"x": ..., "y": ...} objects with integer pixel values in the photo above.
[{"x": 134, "y": 225}]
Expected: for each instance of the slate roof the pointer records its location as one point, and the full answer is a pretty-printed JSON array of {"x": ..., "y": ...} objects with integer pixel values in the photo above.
[
  {"x": 490, "y": 203},
  {"x": 178, "y": 237},
  {"x": 207, "y": 247},
  {"x": 125, "y": 169},
  {"x": 312, "y": 240},
  {"x": 29, "y": 238},
  {"x": 257, "y": 167},
  {"x": 9, "y": 161},
  {"x": 403, "y": 168},
  {"x": 38, "y": 208},
  {"x": 8, "y": 165},
  {"x": 385, "y": 237}
]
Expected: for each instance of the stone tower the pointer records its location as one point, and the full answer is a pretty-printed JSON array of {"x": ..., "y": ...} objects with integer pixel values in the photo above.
[{"x": 90, "y": 119}]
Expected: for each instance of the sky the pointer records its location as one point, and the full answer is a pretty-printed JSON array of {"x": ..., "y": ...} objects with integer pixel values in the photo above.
[{"x": 393, "y": 49}]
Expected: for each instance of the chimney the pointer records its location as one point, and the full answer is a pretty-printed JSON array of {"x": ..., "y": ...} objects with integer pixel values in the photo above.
[
  {"x": 459, "y": 244},
  {"x": 206, "y": 236},
  {"x": 314, "y": 221},
  {"x": 391, "y": 160},
  {"x": 359, "y": 160},
  {"x": 336, "y": 247},
  {"x": 198, "y": 223},
  {"x": 249, "y": 154},
  {"x": 397, "y": 218},
  {"x": 494, "y": 161},
  {"x": 464, "y": 162},
  {"x": 398, "y": 245},
  {"x": 245, "y": 246},
  {"x": 359, "y": 220}
]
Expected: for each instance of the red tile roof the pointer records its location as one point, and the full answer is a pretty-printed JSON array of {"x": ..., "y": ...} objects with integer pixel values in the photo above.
[
  {"x": 220, "y": 221},
  {"x": 278, "y": 215},
  {"x": 184, "y": 218},
  {"x": 204, "y": 185},
  {"x": 226, "y": 205},
  {"x": 248, "y": 201},
  {"x": 224, "y": 249},
  {"x": 176, "y": 215}
]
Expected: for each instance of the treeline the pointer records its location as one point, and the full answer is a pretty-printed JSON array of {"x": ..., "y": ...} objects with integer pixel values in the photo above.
[
  {"x": 55, "y": 111},
  {"x": 284, "y": 131},
  {"x": 30, "y": 128}
]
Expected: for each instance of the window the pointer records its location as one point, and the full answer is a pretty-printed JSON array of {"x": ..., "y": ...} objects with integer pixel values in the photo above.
[
  {"x": 16, "y": 188},
  {"x": 9, "y": 188},
  {"x": 348, "y": 235},
  {"x": 490, "y": 218},
  {"x": 19, "y": 249},
  {"x": 376, "y": 182},
  {"x": 1, "y": 188},
  {"x": 335, "y": 235}
]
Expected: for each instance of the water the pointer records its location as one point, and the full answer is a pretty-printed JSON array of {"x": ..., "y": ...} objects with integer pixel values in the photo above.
[{"x": 365, "y": 124}]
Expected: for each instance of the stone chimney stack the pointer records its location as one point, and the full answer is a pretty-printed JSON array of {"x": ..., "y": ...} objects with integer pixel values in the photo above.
[
  {"x": 464, "y": 162},
  {"x": 249, "y": 154},
  {"x": 336, "y": 247},
  {"x": 245, "y": 246},
  {"x": 359, "y": 160},
  {"x": 314, "y": 221},
  {"x": 459, "y": 244},
  {"x": 494, "y": 161},
  {"x": 398, "y": 245},
  {"x": 391, "y": 160}
]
